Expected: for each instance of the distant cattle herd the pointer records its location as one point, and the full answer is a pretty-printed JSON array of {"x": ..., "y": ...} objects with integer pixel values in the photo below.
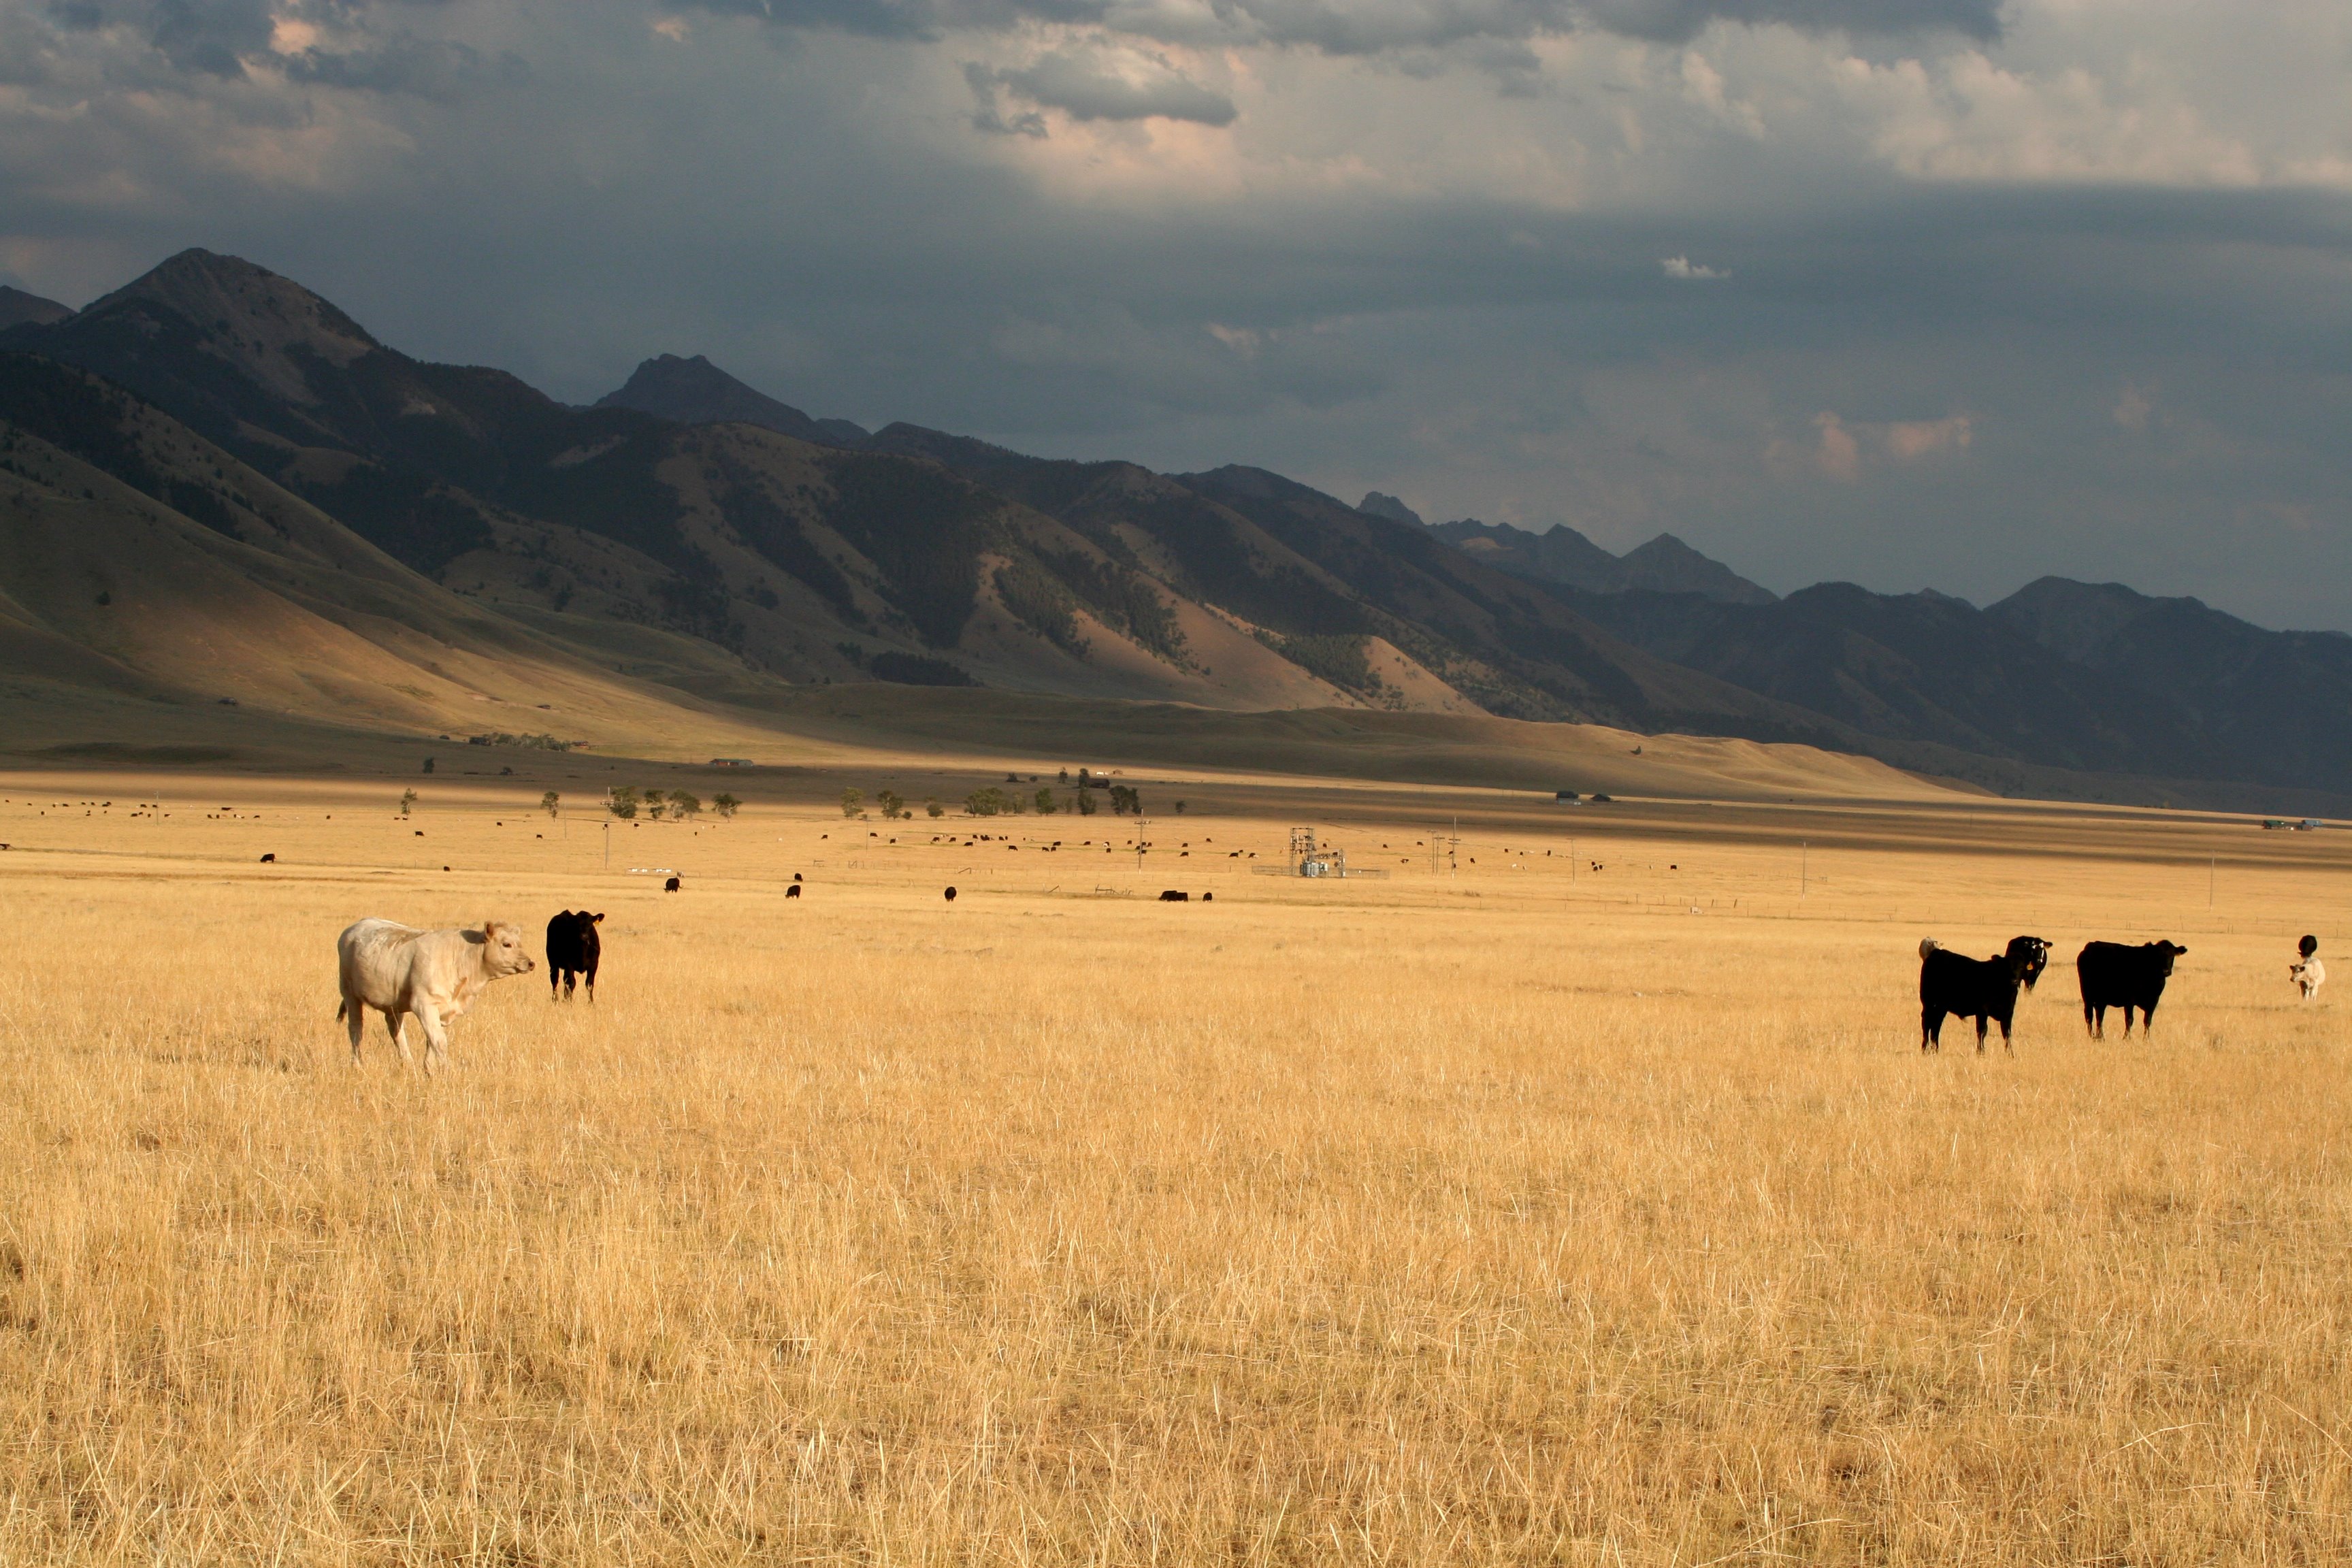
[{"x": 436, "y": 975}]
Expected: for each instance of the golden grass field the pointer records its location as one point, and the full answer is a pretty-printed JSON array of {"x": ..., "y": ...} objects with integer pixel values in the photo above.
[{"x": 1480, "y": 1215}]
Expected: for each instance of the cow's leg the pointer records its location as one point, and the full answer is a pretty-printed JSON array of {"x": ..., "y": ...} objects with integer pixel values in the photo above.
[
  {"x": 2146, "y": 1022},
  {"x": 1980, "y": 1033},
  {"x": 396, "y": 1023},
  {"x": 354, "y": 1022},
  {"x": 2127, "y": 1020},
  {"x": 1931, "y": 1028},
  {"x": 436, "y": 1037},
  {"x": 2005, "y": 1021},
  {"x": 590, "y": 975}
]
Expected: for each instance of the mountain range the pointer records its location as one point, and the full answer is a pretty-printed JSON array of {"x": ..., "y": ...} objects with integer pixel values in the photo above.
[{"x": 692, "y": 534}]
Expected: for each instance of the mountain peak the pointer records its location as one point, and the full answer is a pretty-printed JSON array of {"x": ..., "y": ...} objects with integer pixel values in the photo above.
[
  {"x": 269, "y": 328},
  {"x": 239, "y": 304},
  {"x": 693, "y": 390},
  {"x": 1375, "y": 504},
  {"x": 1667, "y": 565}
]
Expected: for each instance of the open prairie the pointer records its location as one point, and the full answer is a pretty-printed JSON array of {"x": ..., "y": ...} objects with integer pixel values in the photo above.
[{"x": 1578, "y": 1193}]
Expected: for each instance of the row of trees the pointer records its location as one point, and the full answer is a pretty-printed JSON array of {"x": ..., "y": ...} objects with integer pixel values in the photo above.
[
  {"x": 997, "y": 801},
  {"x": 679, "y": 805},
  {"x": 624, "y": 803}
]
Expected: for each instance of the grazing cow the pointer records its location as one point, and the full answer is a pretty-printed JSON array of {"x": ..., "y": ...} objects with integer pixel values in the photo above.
[
  {"x": 435, "y": 974},
  {"x": 2113, "y": 975},
  {"x": 2309, "y": 975},
  {"x": 1175, "y": 896},
  {"x": 952, "y": 895},
  {"x": 573, "y": 950},
  {"x": 269, "y": 859},
  {"x": 670, "y": 885},
  {"x": 792, "y": 890},
  {"x": 1979, "y": 988}
]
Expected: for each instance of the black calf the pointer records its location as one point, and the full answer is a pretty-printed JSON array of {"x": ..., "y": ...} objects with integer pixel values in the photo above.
[
  {"x": 573, "y": 950},
  {"x": 2113, "y": 975},
  {"x": 1979, "y": 988}
]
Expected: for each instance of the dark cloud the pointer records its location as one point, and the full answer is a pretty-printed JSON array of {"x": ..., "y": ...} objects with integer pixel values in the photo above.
[
  {"x": 202, "y": 36},
  {"x": 419, "y": 67}
]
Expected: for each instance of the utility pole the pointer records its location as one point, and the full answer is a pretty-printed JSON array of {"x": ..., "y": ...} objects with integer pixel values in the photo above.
[
  {"x": 608, "y": 847},
  {"x": 1804, "y": 867},
  {"x": 2212, "y": 869}
]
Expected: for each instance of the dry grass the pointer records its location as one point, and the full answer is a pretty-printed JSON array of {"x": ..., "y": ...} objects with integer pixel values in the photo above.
[{"x": 1485, "y": 1217}]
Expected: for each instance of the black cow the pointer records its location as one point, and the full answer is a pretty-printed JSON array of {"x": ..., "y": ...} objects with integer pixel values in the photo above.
[
  {"x": 792, "y": 889},
  {"x": 1175, "y": 896},
  {"x": 2113, "y": 975},
  {"x": 573, "y": 949},
  {"x": 1979, "y": 988}
]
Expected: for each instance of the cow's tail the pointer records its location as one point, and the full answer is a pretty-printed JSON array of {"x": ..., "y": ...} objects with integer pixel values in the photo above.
[
  {"x": 342, "y": 1009},
  {"x": 1928, "y": 944}
]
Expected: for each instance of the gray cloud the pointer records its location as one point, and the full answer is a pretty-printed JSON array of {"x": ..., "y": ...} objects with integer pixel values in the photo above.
[
  {"x": 1677, "y": 20},
  {"x": 1341, "y": 27},
  {"x": 1088, "y": 84}
]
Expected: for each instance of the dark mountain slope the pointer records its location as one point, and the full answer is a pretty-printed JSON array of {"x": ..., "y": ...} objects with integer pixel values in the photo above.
[
  {"x": 1328, "y": 585},
  {"x": 2162, "y": 689},
  {"x": 696, "y": 392},
  {"x": 17, "y": 307},
  {"x": 140, "y": 561},
  {"x": 2274, "y": 705}
]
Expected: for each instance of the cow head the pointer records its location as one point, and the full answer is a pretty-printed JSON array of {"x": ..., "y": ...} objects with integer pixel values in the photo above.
[
  {"x": 2169, "y": 952},
  {"x": 502, "y": 951},
  {"x": 2307, "y": 946},
  {"x": 2029, "y": 956}
]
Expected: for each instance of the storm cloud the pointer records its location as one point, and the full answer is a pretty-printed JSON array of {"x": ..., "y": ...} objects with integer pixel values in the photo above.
[{"x": 1929, "y": 292}]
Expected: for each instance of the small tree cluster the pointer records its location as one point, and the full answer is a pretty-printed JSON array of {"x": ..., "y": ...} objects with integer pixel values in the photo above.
[
  {"x": 1124, "y": 801},
  {"x": 725, "y": 805},
  {"x": 407, "y": 799},
  {"x": 893, "y": 808},
  {"x": 852, "y": 802},
  {"x": 549, "y": 801},
  {"x": 991, "y": 802},
  {"x": 1086, "y": 802},
  {"x": 621, "y": 800}
]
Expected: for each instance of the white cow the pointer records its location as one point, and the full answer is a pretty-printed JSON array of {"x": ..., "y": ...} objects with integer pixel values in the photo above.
[
  {"x": 2309, "y": 975},
  {"x": 435, "y": 974}
]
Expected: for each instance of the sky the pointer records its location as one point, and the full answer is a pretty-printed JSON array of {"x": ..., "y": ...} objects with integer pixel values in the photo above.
[{"x": 1913, "y": 293}]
